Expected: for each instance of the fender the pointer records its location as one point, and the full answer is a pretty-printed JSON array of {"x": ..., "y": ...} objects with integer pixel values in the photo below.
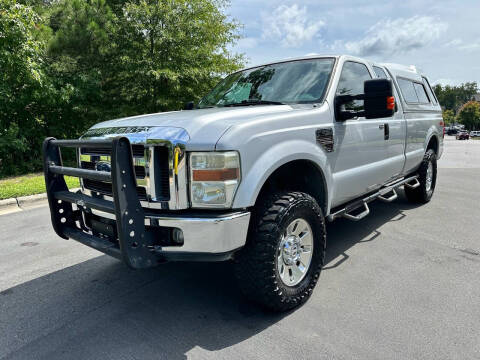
[
  {"x": 432, "y": 132},
  {"x": 271, "y": 160}
]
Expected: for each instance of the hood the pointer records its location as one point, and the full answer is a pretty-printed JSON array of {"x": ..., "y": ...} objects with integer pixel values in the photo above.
[{"x": 204, "y": 126}]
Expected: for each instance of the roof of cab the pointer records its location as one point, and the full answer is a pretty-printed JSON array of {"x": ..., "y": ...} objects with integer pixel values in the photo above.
[
  {"x": 410, "y": 72},
  {"x": 396, "y": 69}
]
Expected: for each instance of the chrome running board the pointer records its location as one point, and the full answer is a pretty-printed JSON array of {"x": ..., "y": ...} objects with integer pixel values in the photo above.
[{"x": 346, "y": 210}]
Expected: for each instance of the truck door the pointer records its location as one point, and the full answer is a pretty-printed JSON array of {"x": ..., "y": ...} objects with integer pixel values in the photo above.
[
  {"x": 368, "y": 152},
  {"x": 395, "y": 131}
]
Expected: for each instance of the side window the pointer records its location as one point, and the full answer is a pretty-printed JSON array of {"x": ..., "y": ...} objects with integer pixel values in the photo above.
[
  {"x": 380, "y": 73},
  {"x": 421, "y": 93},
  {"x": 408, "y": 91},
  {"x": 430, "y": 92},
  {"x": 351, "y": 83}
]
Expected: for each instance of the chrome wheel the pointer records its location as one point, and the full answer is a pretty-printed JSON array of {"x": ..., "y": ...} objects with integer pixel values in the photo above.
[
  {"x": 429, "y": 178},
  {"x": 295, "y": 252}
]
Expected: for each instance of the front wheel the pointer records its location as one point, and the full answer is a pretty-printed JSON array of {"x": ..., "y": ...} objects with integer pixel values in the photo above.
[
  {"x": 427, "y": 176},
  {"x": 280, "y": 265}
]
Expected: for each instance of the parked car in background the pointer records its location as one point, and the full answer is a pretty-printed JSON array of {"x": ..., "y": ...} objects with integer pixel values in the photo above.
[
  {"x": 451, "y": 131},
  {"x": 474, "y": 134},
  {"x": 462, "y": 135}
]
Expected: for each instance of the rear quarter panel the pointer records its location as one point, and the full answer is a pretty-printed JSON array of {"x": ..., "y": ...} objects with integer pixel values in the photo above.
[{"x": 424, "y": 121}]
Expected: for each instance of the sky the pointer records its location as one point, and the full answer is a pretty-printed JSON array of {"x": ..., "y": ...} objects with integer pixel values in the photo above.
[{"x": 440, "y": 37}]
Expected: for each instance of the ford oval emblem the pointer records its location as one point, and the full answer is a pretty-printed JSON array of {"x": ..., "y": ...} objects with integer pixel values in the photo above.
[{"x": 103, "y": 166}]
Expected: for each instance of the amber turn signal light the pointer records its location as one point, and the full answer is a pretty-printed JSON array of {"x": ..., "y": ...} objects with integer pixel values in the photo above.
[
  {"x": 216, "y": 175},
  {"x": 390, "y": 103}
]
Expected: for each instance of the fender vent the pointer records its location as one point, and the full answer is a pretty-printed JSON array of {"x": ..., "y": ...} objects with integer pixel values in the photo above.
[{"x": 325, "y": 138}]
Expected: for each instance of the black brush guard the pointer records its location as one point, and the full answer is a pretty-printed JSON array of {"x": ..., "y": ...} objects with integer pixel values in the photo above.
[{"x": 135, "y": 243}]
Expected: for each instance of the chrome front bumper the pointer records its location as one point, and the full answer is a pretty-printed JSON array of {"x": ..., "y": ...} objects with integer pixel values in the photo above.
[{"x": 207, "y": 235}]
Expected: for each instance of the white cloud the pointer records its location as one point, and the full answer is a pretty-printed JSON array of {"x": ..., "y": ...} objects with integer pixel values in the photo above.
[
  {"x": 388, "y": 37},
  {"x": 454, "y": 42},
  {"x": 247, "y": 43},
  {"x": 459, "y": 44},
  {"x": 290, "y": 25},
  {"x": 470, "y": 47}
]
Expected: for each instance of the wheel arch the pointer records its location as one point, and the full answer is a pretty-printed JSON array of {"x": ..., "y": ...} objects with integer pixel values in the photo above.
[
  {"x": 308, "y": 178},
  {"x": 259, "y": 170},
  {"x": 433, "y": 143}
]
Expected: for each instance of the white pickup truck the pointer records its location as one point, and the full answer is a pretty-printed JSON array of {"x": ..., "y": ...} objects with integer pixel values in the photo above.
[{"x": 253, "y": 171}]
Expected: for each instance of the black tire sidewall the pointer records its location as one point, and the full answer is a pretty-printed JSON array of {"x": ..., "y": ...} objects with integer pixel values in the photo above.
[
  {"x": 420, "y": 194},
  {"x": 430, "y": 158},
  {"x": 256, "y": 267},
  {"x": 303, "y": 210}
]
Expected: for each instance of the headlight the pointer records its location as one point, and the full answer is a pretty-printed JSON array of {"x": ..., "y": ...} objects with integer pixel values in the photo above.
[{"x": 214, "y": 178}]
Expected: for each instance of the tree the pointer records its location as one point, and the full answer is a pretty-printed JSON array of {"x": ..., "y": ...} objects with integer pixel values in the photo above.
[
  {"x": 120, "y": 58},
  {"x": 173, "y": 51},
  {"x": 453, "y": 97},
  {"x": 67, "y": 64},
  {"x": 469, "y": 115},
  {"x": 81, "y": 58},
  {"x": 24, "y": 87},
  {"x": 448, "y": 117}
]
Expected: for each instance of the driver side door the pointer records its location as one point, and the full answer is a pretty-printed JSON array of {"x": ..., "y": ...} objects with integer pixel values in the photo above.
[{"x": 360, "y": 151}]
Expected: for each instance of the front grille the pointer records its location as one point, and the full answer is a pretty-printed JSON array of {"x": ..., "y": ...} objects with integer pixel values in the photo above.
[
  {"x": 139, "y": 170},
  {"x": 137, "y": 151},
  {"x": 105, "y": 188},
  {"x": 162, "y": 174},
  {"x": 161, "y": 169}
]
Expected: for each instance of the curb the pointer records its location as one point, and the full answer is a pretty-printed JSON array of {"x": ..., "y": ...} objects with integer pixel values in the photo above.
[
  {"x": 24, "y": 202},
  {"x": 8, "y": 205}
]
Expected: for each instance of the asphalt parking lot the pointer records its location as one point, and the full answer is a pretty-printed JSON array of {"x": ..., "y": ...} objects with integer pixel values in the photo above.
[{"x": 401, "y": 284}]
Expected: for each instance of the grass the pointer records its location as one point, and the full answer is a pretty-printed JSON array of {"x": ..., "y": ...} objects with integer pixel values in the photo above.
[{"x": 28, "y": 185}]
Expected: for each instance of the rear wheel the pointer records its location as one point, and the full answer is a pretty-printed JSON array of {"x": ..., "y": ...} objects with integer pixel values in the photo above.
[
  {"x": 281, "y": 262},
  {"x": 427, "y": 178}
]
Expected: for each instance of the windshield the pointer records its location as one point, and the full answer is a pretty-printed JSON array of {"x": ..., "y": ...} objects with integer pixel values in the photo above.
[{"x": 303, "y": 81}]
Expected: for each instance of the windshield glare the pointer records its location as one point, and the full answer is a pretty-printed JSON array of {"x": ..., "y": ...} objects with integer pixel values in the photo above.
[{"x": 303, "y": 81}]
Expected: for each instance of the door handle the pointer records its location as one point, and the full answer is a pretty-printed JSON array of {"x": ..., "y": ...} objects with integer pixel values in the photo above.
[
  {"x": 386, "y": 132},
  {"x": 381, "y": 126}
]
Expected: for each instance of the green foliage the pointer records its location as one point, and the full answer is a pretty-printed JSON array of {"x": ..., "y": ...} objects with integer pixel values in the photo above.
[
  {"x": 172, "y": 52},
  {"x": 448, "y": 117},
  {"x": 24, "y": 88},
  {"x": 453, "y": 97},
  {"x": 469, "y": 115},
  {"x": 68, "y": 64}
]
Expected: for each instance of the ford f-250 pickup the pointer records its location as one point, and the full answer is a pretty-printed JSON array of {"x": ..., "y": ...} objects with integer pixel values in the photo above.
[{"x": 253, "y": 171}]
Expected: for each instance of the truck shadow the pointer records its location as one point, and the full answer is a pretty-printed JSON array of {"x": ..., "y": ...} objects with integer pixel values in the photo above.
[
  {"x": 101, "y": 309},
  {"x": 342, "y": 234}
]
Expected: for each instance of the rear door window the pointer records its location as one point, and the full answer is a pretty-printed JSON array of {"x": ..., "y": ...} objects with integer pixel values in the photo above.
[
  {"x": 408, "y": 91},
  {"x": 421, "y": 93}
]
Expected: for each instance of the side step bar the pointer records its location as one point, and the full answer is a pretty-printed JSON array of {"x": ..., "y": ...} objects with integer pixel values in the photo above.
[{"x": 362, "y": 203}]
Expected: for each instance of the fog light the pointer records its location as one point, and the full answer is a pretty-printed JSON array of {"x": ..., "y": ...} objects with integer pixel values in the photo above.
[{"x": 177, "y": 236}]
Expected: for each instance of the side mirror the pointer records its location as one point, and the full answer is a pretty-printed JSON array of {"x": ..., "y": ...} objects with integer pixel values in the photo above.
[
  {"x": 378, "y": 99},
  {"x": 189, "y": 106}
]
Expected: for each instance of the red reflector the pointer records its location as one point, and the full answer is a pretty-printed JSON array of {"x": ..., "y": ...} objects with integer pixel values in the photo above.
[
  {"x": 215, "y": 175},
  {"x": 390, "y": 103},
  {"x": 442, "y": 123}
]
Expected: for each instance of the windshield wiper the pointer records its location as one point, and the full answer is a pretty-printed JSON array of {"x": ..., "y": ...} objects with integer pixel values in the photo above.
[{"x": 255, "y": 102}]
